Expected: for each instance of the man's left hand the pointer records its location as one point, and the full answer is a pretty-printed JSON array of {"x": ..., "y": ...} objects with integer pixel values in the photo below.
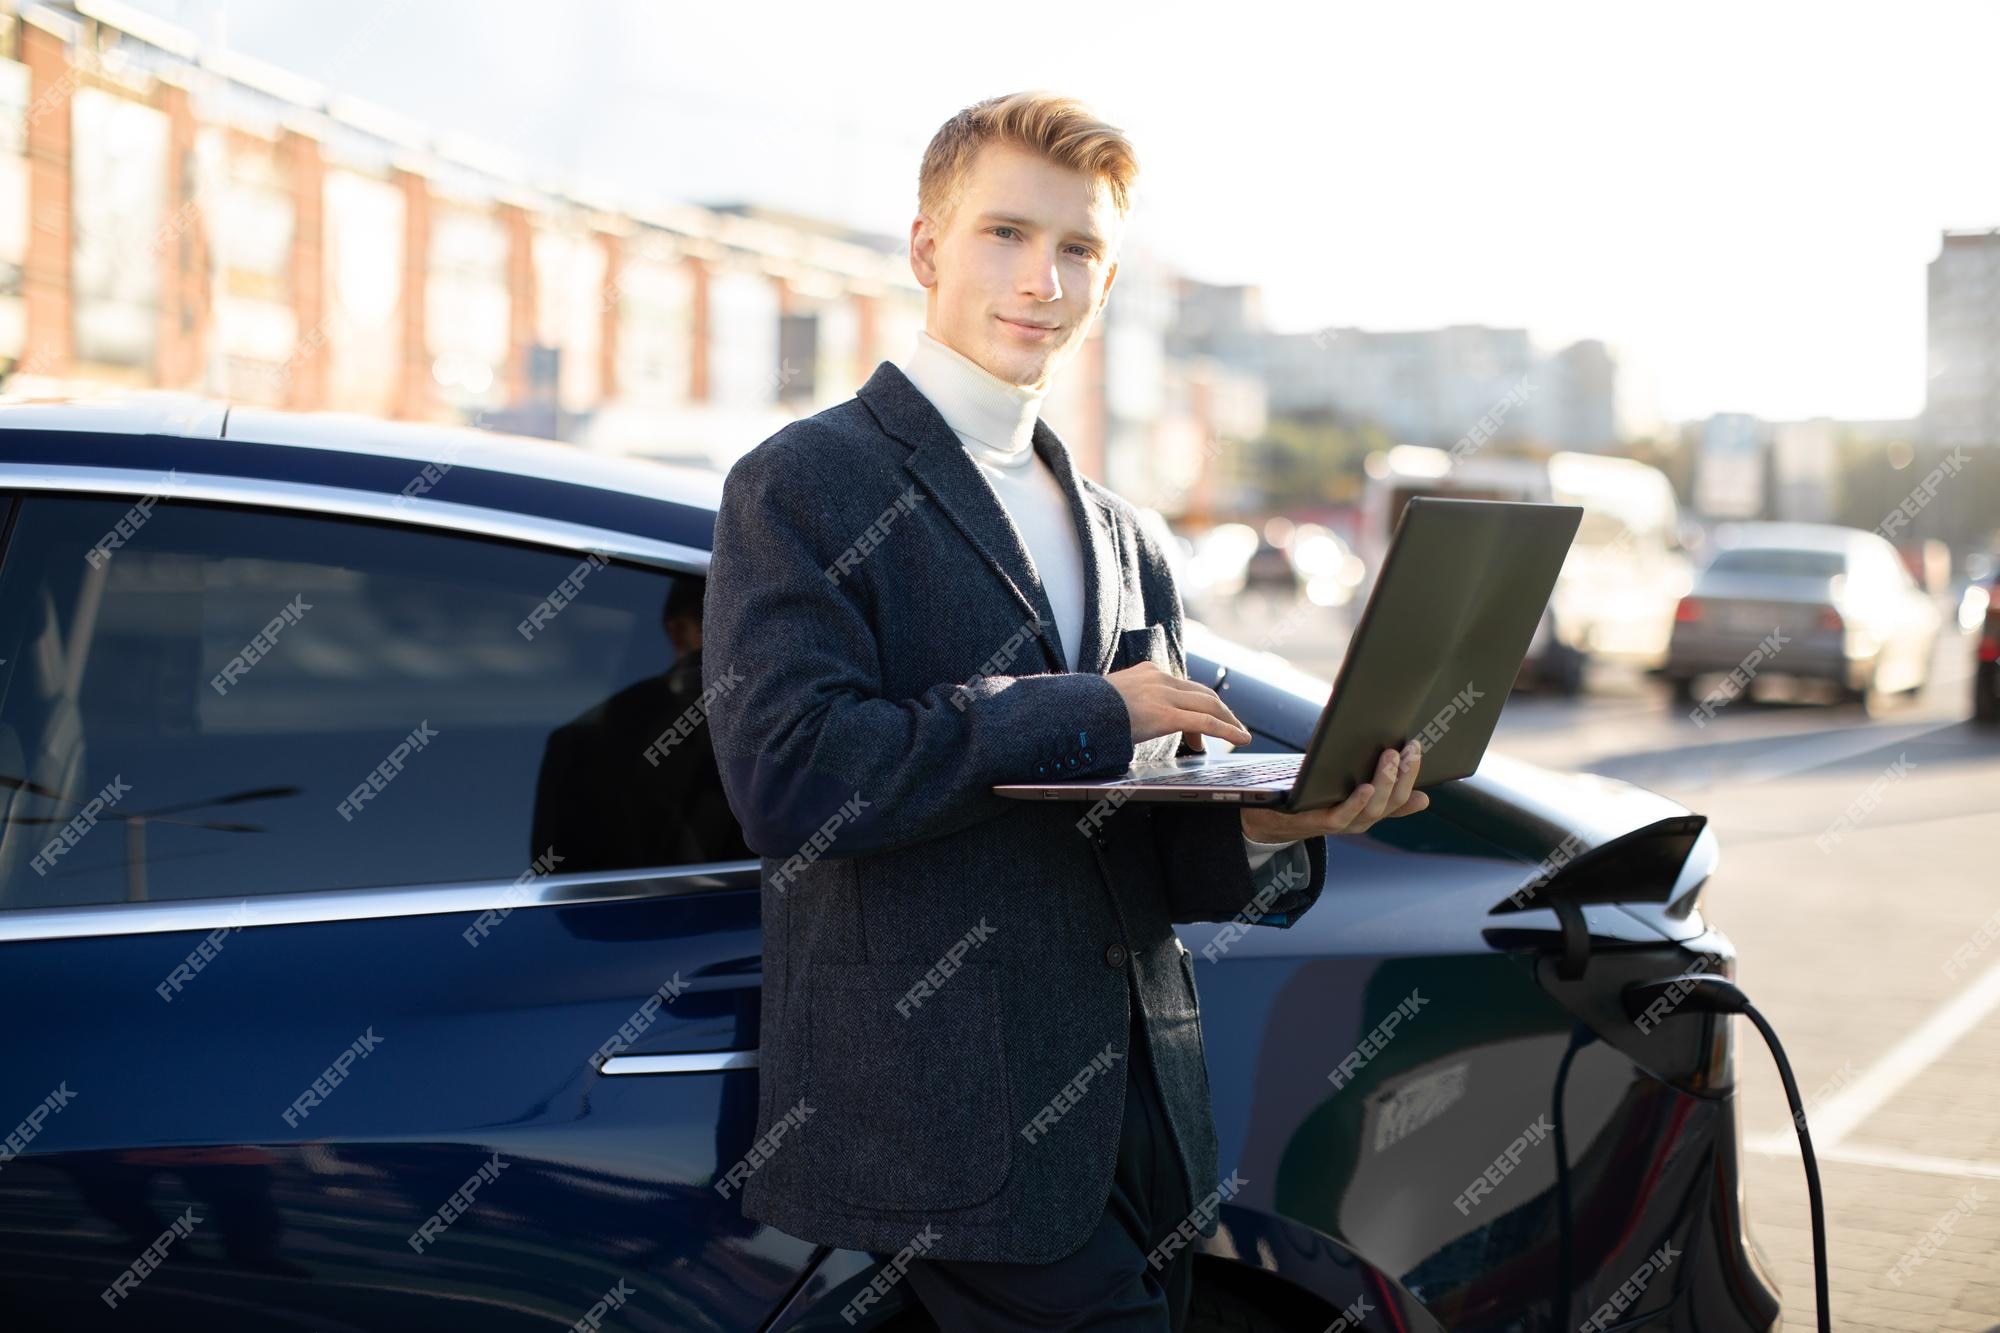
[{"x": 1385, "y": 798}]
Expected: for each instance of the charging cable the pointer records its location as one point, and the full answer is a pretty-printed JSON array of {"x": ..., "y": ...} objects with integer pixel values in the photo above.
[{"x": 1704, "y": 992}]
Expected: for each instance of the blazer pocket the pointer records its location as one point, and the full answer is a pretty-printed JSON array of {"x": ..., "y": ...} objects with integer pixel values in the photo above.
[
  {"x": 909, "y": 1096},
  {"x": 1146, "y": 643}
]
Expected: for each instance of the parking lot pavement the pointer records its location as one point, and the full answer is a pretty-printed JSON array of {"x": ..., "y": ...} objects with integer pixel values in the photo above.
[{"x": 1875, "y": 1215}]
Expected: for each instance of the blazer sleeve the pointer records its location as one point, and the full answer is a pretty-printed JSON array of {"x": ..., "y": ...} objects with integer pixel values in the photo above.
[
  {"x": 1202, "y": 849},
  {"x": 808, "y": 748}
]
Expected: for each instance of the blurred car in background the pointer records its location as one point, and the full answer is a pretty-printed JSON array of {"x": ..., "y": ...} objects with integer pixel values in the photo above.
[
  {"x": 1805, "y": 601},
  {"x": 1929, "y": 563},
  {"x": 1979, "y": 610},
  {"x": 1329, "y": 571},
  {"x": 1216, "y": 561},
  {"x": 1627, "y": 569},
  {"x": 1287, "y": 558},
  {"x": 1270, "y": 567},
  {"x": 1550, "y": 664},
  {"x": 1972, "y": 593}
]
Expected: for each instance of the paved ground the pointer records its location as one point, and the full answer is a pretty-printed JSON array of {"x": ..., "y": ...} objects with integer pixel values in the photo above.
[
  {"x": 1868, "y": 960},
  {"x": 1876, "y": 956}
]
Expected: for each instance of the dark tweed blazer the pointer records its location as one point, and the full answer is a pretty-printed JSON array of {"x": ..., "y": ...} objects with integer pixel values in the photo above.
[{"x": 947, "y": 973}]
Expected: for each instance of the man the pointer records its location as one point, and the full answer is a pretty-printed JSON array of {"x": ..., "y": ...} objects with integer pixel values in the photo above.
[{"x": 982, "y": 1057}]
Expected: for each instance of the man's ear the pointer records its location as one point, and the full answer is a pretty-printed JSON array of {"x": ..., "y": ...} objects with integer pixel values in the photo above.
[{"x": 923, "y": 250}]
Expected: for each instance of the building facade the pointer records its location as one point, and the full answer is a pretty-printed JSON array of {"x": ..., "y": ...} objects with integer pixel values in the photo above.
[
  {"x": 1962, "y": 401},
  {"x": 178, "y": 217}
]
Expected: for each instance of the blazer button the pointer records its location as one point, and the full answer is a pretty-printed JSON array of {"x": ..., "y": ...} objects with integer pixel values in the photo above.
[
  {"x": 1041, "y": 770},
  {"x": 1087, "y": 757},
  {"x": 1114, "y": 955}
]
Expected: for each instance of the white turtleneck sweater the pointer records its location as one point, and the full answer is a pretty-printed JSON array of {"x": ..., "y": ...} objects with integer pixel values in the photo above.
[{"x": 995, "y": 421}]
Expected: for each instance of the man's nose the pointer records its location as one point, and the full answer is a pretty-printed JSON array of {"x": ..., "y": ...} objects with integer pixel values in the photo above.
[{"x": 1042, "y": 280}]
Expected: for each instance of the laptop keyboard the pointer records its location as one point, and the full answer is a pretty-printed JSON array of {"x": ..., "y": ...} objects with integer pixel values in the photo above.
[{"x": 1244, "y": 775}]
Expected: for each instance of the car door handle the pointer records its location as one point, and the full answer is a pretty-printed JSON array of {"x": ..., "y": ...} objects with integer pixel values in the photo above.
[{"x": 698, "y": 1062}]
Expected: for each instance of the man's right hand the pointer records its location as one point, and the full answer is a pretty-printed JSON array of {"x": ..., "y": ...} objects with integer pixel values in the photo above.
[{"x": 1161, "y": 702}]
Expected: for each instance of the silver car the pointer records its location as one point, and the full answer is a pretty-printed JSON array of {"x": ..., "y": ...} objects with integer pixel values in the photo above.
[{"x": 1804, "y": 601}]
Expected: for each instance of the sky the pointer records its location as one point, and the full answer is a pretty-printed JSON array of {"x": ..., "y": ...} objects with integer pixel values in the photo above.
[{"x": 1740, "y": 199}]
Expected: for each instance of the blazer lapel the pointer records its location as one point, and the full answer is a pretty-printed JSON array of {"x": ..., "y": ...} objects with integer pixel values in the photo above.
[{"x": 939, "y": 462}]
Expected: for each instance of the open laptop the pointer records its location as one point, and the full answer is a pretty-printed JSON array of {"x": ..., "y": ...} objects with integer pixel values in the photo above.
[{"x": 1436, "y": 651}]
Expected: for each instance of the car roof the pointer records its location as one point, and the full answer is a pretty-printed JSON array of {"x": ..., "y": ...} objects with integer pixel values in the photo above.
[
  {"x": 1790, "y": 536},
  {"x": 207, "y": 448},
  {"x": 127, "y": 413},
  {"x": 194, "y": 416},
  {"x": 519, "y": 455}
]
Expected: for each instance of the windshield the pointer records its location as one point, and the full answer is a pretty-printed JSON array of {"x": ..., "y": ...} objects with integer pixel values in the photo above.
[{"x": 1779, "y": 560}]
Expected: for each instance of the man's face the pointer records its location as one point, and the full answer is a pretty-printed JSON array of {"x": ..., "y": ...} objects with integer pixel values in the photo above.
[{"x": 1022, "y": 265}]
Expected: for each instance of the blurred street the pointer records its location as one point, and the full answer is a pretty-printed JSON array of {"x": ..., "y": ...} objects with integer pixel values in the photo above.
[{"x": 1888, "y": 1017}]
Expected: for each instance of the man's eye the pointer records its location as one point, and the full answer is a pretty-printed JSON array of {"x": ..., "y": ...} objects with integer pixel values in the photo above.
[{"x": 997, "y": 230}]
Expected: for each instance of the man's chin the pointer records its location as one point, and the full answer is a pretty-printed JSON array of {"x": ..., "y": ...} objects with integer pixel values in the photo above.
[
  {"x": 1021, "y": 371},
  {"x": 1031, "y": 370}
]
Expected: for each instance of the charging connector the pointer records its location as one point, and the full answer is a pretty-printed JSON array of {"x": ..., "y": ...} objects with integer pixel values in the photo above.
[{"x": 1706, "y": 993}]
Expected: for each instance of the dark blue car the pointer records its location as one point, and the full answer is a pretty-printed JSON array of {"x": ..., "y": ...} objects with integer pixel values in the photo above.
[{"x": 378, "y": 951}]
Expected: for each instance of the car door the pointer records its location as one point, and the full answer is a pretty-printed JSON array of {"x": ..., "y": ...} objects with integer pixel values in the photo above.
[{"x": 381, "y": 953}]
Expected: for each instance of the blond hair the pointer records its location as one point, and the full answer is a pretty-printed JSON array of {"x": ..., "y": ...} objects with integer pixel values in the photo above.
[{"x": 1058, "y": 129}]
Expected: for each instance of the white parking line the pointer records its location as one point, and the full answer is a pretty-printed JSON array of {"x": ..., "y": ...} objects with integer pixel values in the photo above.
[
  {"x": 1846, "y": 1109},
  {"x": 1854, "y": 1154}
]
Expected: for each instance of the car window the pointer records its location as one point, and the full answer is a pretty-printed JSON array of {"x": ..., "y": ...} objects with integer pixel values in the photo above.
[
  {"x": 237, "y": 701},
  {"x": 1777, "y": 560}
]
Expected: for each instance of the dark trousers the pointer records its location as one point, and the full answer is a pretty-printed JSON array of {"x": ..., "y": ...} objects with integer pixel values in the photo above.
[{"x": 1108, "y": 1285}]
